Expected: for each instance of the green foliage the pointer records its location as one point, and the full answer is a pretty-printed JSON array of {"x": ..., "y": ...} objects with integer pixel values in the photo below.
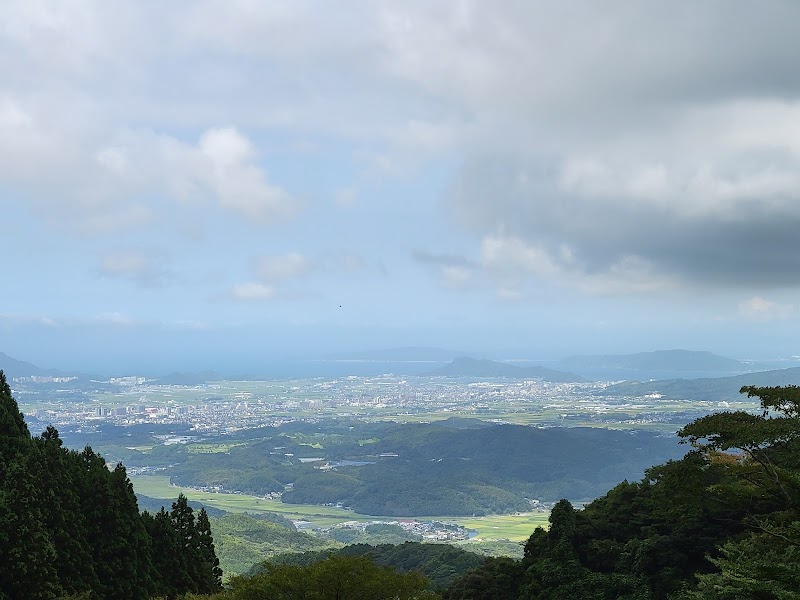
[
  {"x": 442, "y": 564},
  {"x": 437, "y": 470},
  {"x": 334, "y": 578},
  {"x": 762, "y": 565},
  {"x": 69, "y": 527},
  {"x": 243, "y": 541},
  {"x": 495, "y": 579},
  {"x": 722, "y": 523}
]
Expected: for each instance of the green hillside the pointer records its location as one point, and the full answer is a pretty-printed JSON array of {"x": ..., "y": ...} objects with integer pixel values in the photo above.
[
  {"x": 429, "y": 468},
  {"x": 243, "y": 541}
]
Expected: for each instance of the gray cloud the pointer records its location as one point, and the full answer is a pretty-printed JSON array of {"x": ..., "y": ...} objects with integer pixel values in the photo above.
[
  {"x": 748, "y": 241},
  {"x": 618, "y": 147}
]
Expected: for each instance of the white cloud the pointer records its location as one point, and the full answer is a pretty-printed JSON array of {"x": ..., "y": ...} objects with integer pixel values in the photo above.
[
  {"x": 761, "y": 309},
  {"x": 114, "y": 318},
  {"x": 252, "y": 291},
  {"x": 512, "y": 262},
  {"x": 273, "y": 268},
  {"x": 456, "y": 277},
  {"x": 238, "y": 182},
  {"x": 711, "y": 158},
  {"x": 597, "y": 153},
  {"x": 222, "y": 167},
  {"x": 510, "y": 254}
]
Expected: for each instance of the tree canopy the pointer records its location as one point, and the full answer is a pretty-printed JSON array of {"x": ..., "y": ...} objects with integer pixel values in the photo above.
[
  {"x": 722, "y": 523},
  {"x": 70, "y": 526}
]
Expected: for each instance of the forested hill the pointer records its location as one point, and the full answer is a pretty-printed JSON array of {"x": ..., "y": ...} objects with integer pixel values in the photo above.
[
  {"x": 417, "y": 469},
  {"x": 69, "y": 526},
  {"x": 723, "y": 523},
  {"x": 706, "y": 388},
  {"x": 473, "y": 367}
]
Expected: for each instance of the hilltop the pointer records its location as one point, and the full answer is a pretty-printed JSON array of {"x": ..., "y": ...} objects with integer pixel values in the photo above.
[
  {"x": 20, "y": 368},
  {"x": 705, "y": 388},
  {"x": 473, "y": 367}
]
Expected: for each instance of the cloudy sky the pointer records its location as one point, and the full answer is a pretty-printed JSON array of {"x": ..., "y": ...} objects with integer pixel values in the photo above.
[{"x": 208, "y": 183}]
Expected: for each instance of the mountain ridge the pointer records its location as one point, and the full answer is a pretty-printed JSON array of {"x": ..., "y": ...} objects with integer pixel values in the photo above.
[
  {"x": 466, "y": 366},
  {"x": 706, "y": 388}
]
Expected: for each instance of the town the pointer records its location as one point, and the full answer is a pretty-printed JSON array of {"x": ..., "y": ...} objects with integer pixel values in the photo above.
[{"x": 223, "y": 407}]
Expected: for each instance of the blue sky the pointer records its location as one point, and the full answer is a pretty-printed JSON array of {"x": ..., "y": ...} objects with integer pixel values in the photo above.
[{"x": 199, "y": 184}]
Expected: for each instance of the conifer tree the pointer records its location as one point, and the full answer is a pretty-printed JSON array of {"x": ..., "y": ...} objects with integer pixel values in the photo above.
[
  {"x": 120, "y": 545},
  {"x": 14, "y": 435},
  {"x": 167, "y": 564},
  {"x": 64, "y": 518},
  {"x": 210, "y": 575},
  {"x": 26, "y": 550},
  {"x": 183, "y": 522}
]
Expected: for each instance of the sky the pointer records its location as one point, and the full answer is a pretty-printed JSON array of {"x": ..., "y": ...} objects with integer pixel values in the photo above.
[{"x": 191, "y": 185}]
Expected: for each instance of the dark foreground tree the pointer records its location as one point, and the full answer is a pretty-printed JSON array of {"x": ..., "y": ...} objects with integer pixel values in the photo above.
[
  {"x": 209, "y": 576},
  {"x": 70, "y": 527},
  {"x": 763, "y": 468},
  {"x": 335, "y": 578}
]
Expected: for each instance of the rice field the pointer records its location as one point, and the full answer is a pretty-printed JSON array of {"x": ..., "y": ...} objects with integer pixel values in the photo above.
[{"x": 515, "y": 527}]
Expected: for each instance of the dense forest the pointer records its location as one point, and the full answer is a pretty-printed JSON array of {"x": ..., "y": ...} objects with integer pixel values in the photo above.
[
  {"x": 722, "y": 523},
  {"x": 441, "y": 564},
  {"x": 243, "y": 540},
  {"x": 71, "y": 527},
  {"x": 431, "y": 468}
]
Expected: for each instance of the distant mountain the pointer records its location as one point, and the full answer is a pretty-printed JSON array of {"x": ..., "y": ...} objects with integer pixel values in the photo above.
[
  {"x": 18, "y": 368},
  {"x": 472, "y": 367},
  {"x": 713, "y": 388},
  {"x": 660, "y": 360},
  {"x": 405, "y": 354}
]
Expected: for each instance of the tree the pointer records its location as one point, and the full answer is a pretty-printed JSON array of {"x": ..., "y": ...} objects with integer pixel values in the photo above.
[
  {"x": 759, "y": 566},
  {"x": 191, "y": 571},
  {"x": 26, "y": 548},
  {"x": 210, "y": 574},
  {"x": 763, "y": 473},
  {"x": 167, "y": 562},
  {"x": 69, "y": 526},
  {"x": 14, "y": 435},
  {"x": 64, "y": 519},
  {"x": 335, "y": 578},
  {"x": 119, "y": 542}
]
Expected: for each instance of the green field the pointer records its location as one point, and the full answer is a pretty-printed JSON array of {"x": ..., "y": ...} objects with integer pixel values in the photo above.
[
  {"x": 511, "y": 527},
  {"x": 516, "y": 528},
  {"x": 205, "y": 448},
  {"x": 158, "y": 486}
]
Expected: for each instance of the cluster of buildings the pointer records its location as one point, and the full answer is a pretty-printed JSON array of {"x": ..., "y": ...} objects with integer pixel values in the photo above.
[
  {"x": 223, "y": 407},
  {"x": 430, "y": 531}
]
